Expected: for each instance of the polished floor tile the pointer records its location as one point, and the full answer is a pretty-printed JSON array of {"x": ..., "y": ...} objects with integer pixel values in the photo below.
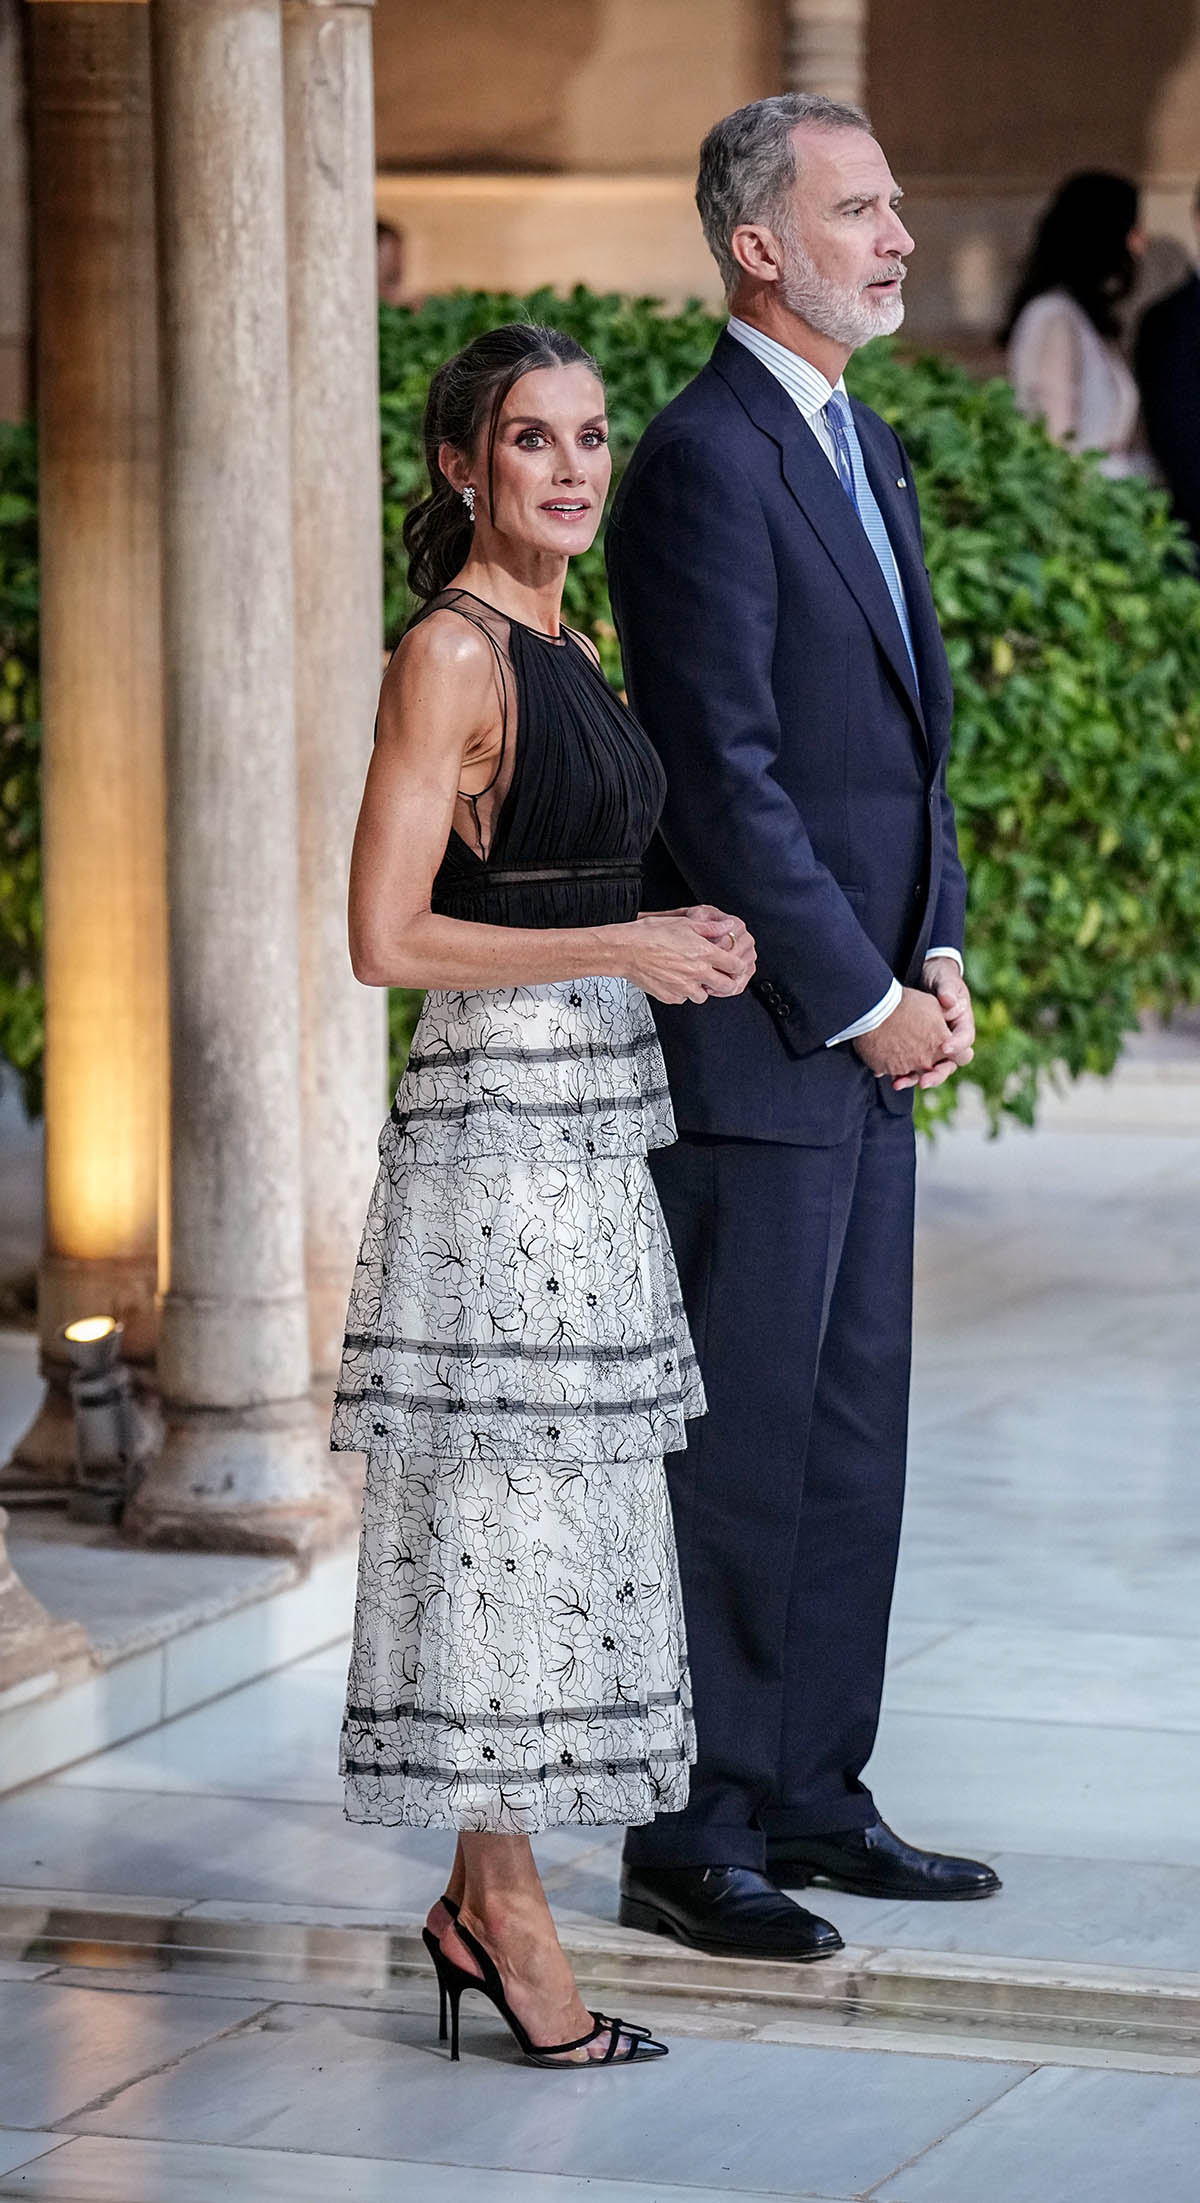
[
  {"x": 265, "y": 1858},
  {"x": 19, "y": 2145},
  {"x": 1068, "y": 2137},
  {"x": 1054, "y": 1788},
  {"x": 55, "y": 1836},
  {"x": 67, "y": 2047},
  {"x": 712, "y": 2114},
  {"x": 331, "y": 1660},
  {"x": 1101, "y": 1679},
  {"x": 908, "y": 1637},
  {"x": 277, "y": 1738},
  {"x": 261, "y": 1637},
  {"x": 97, "y": 2169},
  {"x": 122, "y": 1608},
  {"x": 1087, "y": 1912}
]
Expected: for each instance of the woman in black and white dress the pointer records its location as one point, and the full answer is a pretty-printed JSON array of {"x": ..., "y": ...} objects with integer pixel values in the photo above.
[{"x": 517, "y": 1360}]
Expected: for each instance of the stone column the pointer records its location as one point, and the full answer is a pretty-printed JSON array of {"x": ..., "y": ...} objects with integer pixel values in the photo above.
[
  {"x": 244, "y": 1462},
  {"x": 103, "y": 875},
  {"x": 31, "y": 1643},
  {"x": 825, "y": 48},
  {"x": 337, "y": 558}
]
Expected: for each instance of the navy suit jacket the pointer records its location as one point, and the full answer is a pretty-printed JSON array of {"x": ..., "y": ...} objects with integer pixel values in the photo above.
[
  {"x": 1168, "y": 370},
  {"x": 806, "y": 772}
]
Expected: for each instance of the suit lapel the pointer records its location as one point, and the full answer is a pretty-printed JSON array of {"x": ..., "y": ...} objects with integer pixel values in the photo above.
[{"x": 824, "y": 503}]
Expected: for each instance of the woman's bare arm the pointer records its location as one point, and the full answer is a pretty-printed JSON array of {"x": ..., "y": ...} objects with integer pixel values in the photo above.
[{"x": 438, "y": 708}]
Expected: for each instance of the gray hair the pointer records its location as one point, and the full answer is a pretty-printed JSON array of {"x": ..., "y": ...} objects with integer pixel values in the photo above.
[{"x": 748, "y": 167}]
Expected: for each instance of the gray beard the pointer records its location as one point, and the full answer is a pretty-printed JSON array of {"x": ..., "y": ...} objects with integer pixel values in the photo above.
[{"x": 842, "y": 315}]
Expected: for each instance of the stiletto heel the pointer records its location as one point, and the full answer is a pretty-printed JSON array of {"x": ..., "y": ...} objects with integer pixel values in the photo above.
[
  {"x": 451, "y": 1981},
  {"x": 434, "y": 1949}
]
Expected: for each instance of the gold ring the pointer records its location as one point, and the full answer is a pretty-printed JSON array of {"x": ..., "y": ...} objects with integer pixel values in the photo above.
[{"x": 732, "y": 941}]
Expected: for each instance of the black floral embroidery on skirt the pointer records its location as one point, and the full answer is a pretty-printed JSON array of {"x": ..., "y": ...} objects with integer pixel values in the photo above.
[{"x": 516, "y": 1364}]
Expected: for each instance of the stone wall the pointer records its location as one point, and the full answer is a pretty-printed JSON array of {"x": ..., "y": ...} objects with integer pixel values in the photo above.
[
  {"x": 555, "y": 140},
  {"x": 567, "y": 150},
  {"x": 552, "y": 86}
]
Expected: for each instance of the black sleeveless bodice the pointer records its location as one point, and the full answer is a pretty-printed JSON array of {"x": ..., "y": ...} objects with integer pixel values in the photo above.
[{"x": 583, "y": 800}]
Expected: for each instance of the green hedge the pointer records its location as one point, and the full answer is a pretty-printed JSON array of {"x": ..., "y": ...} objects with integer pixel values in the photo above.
[
  {"x": 1072, "y": 624},
  {"x": 1073, "y": 627}
]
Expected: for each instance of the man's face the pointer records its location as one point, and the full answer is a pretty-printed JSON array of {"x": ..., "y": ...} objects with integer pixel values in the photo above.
[{"x": 843, "y": 247}]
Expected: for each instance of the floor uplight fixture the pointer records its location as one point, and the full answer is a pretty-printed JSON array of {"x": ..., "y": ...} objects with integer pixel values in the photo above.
[{"x": 114, "y": 1435}]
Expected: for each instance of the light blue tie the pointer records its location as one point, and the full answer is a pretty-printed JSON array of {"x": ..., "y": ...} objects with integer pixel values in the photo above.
[{"x": 852, "y": 475}]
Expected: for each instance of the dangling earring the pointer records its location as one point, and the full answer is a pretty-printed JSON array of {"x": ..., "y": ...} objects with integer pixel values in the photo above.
[{"x": 468, "y": 498}]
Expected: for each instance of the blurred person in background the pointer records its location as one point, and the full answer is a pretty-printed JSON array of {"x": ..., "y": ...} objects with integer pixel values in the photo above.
[
  {"x": 1063, "y": 332},
  {"x": 389, "y": 266},
  {"x": 1168, "y": 370}
]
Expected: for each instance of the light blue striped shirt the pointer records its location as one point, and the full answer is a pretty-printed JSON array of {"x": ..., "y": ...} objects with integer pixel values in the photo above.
[{"x": 810, "y": 392}]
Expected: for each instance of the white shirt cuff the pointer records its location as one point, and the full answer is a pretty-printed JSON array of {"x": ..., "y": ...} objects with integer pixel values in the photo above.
[
  {"x": 953, "y": 954},
  {"x": 873, "y": 1017}
]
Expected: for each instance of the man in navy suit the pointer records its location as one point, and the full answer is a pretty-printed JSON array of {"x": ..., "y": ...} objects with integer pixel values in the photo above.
[
  {"x": 782, "y": 650},
  {"x": 1168, "y": 371}
]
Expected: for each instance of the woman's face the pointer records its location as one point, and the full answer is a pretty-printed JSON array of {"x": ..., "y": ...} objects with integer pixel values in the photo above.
[{"x": 551, "y": 466}]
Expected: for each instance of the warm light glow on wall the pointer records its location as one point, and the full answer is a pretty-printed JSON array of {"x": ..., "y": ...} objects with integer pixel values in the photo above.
[
  {"x": 105, "y": 1015},
  {"x": 101, "y": 634},
  {"x": 617, "y": 233}
]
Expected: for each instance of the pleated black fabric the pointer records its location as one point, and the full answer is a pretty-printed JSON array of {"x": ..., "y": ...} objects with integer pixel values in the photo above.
[{"x": 584, "y": 798}]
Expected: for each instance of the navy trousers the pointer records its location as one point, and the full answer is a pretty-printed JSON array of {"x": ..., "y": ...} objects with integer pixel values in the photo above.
[{"x": 796, "y": 1267}]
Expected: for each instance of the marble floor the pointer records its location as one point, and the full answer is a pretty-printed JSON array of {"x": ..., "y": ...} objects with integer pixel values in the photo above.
[
  {"x": 177, "y": 2090},
  {"x": 1043, "y": 1708}
]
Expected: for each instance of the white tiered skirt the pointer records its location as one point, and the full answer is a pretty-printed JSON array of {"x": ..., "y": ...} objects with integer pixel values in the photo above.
[{"x": 517, "y": 1362}]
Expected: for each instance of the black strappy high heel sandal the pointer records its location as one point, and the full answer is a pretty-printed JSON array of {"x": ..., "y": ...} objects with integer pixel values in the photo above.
[{"x": 452, "y": 1980}]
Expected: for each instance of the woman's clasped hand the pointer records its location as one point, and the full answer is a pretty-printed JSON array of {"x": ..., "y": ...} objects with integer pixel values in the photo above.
[{"x": 687, "y": 955}]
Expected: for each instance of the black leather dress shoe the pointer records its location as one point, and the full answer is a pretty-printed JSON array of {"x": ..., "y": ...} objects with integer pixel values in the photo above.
[
  {"x": 730, "y": 1910},
  {"x": 874, "y": 1862}
]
